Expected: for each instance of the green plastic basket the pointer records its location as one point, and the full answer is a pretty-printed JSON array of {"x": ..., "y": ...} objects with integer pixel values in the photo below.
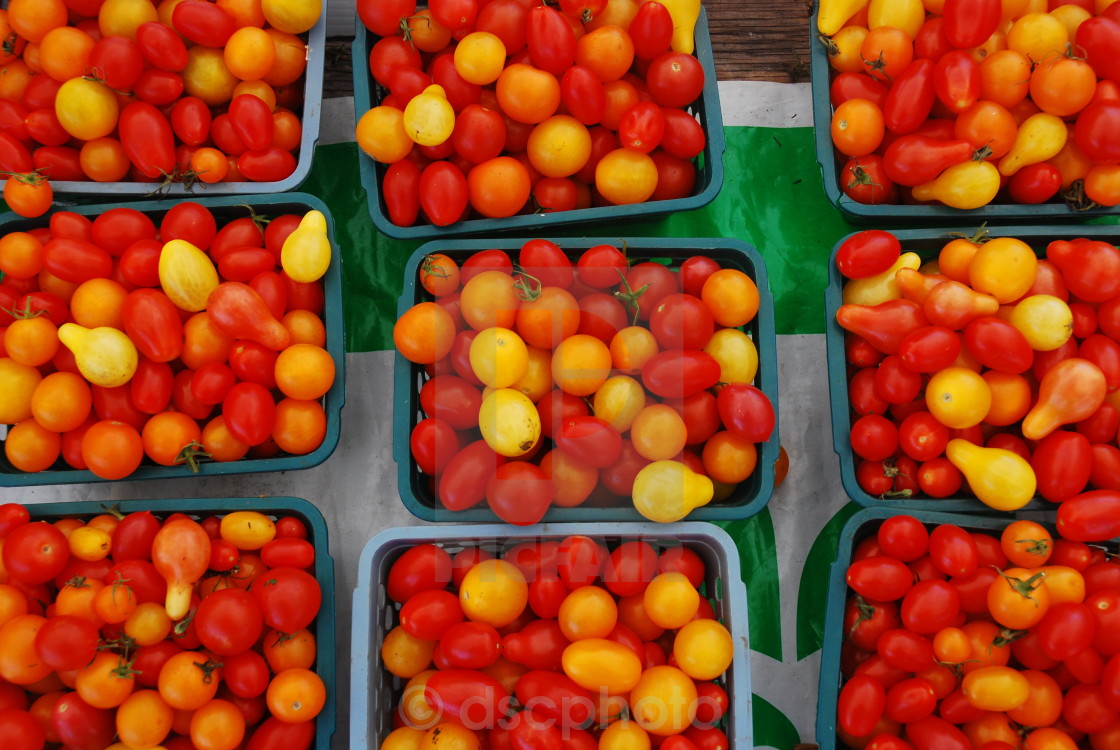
[
  {"x": 821, "y": 80},
  {"x": 310, "y": 113},
  {"x": 709, "y": 173},
  {"x": 324, "y": 625},
  {"x": 374, "y": 693},
  {"x": 927, "y": 243},
  {"x": 224, "y": 208},
  {"x": 750, "y": 497},
  {"x": 859, "y": 527}
]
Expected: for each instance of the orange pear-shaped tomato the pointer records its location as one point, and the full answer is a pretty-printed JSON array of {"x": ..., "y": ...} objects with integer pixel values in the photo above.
[
  {"x": 238, "y": 310},
  {"x": 181, "y": 554},
  {"x": 883, "y": 325},
  {"x": 955, "y": 305},
  {"x": 1069, "y": 392},
  {"x": 915, "y": 285}
]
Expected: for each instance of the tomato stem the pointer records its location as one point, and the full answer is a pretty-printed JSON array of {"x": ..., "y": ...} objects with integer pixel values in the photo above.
[
  {"x": 25, "y": 312},
  {"x": 978, "y": 238},
  {"x": 259, "y": 219},
  {"x": 528, "y": 286},
  {"x": 34, "y": 177},
  {"x": 113, "y": 510},
  {"x": 1007, "y": 636},
  {"x": 208, "y": 667},
  {"x": 1040, "y": 547},
  {"x": 630, "y": 296},
  {"x": 1027, "y": 587},
  {"x": 77, "y": 582},
  {"x": 9, "y": 45},
  {"x": 181, "y": 626},
  {"x": 1075, "y": 197},
  {"x": 830, "y": 45},
  {"x": 190, "y": 454}
]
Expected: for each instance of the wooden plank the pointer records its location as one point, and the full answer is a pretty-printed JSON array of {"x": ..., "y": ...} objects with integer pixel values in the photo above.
[
  {"x": 760, "y": 40},
  {"x": 752, "y": 40}
]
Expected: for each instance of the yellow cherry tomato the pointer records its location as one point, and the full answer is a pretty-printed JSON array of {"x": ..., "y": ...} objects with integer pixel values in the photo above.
[
  {"x": 958, "y": 397},
  {"x": 536, "y": 383},
  {"x": 1045, "y": 321},
  {"x": 405, "y": 655},
  {"x": 736, "y": 353},
  {"x": 499, "y": 357},
  {"x": 247, "y": 529},
  {"x": 494, "y": 592},
  {"x": 703, "y": 649},
  {"x": 382, "y": 136},
  {"x": 509, "y": 422},
  {"x": 292, "y": 16},
  {"x": 996, "y": 689},
  {"x": 619, "y": 401},
  {"x": 86, "y": 109},
  {"x": 559, "y": 146},
  {"x": 908, "y": 15},
  {"x": 670, "y": 600},
  {"x": 480, "y": 57},
  {"x": 1005, "y": 268},
  {"x": 624, "y": 176},
  {"x": 428, "y": 117},
  {"x": 186, "y": 275},
  {"x": 597, "y": 664},
  {"x": 89, "y": 543},
  {"x": 664, "y": 700}
]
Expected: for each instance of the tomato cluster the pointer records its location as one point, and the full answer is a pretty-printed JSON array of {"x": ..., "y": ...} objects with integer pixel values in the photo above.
[
  {"x": 123, "y": 90},
  {"x": 175, "y": 633},
  {"x": 123, "y": 339},
  {"x": 986, "y": 360},
  {"x": 969, "y": 102},
  {"x": 556, "y": 644},
  {"x": 605, "y": 370},
  {"x": 490, "y": 108},
  {"x": 958, "y": 639}
]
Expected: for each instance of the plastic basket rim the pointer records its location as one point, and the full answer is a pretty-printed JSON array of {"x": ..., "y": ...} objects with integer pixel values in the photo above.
[
  {"x": 309, "y": 137},
  {"x": 820, "y": 81},
  {"x": 735, "y": 594},
  {"x": 325, "y": 660},
  {"x": 713, "y": 153},
  {"x": 837, "y": 368},
  {"x": 767, "y": 380},
  {"x": 333, "y": 321}
]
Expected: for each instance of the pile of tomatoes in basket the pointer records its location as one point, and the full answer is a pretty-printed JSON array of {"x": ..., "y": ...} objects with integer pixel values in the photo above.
[
  {"x": 556, "y": 644},
  {"x": 553, "y": 381},
  {"x": 112, "y": 90},
  {"x": 173, "y": 633},
  {"x": 975, "y": 101},
  {"x": 989, "y": 361},
  {"x": 958, "y": 639},
  {"x": 494, "y": 108},
  {"x": 124, "y": 339}
]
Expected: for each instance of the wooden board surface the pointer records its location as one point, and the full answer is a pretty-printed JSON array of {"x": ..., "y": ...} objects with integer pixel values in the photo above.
[{"x": 752, "y": 40}]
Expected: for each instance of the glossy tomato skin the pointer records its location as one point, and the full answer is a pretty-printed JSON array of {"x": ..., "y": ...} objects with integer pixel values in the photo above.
[
  {"x": 881, "y": 579},
  {"x": 147, "y": 139}
]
